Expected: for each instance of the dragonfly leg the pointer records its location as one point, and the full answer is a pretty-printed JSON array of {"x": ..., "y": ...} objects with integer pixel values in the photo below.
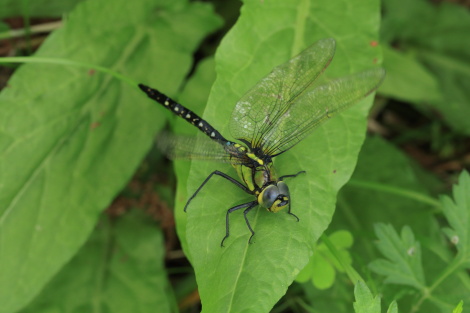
[
  {"x": 289, "y": 212},
  {"x": 250, "y": 205},
  {"x": 247, "y": 222},
  {"x": 227, "y": 177},
  {"x": 293, "y": 175},
  {"x": 286, "y": 176}
]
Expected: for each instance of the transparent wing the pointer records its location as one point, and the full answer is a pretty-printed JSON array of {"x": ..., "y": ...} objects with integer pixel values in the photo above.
[
  {"x": 317, "y": 106},
  {"x": 257, "y": 112},
  {"x": 198, "y": 147}
]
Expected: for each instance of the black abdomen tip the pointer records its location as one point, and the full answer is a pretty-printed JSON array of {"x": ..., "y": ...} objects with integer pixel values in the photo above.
[{"x": 144, "y": 88}]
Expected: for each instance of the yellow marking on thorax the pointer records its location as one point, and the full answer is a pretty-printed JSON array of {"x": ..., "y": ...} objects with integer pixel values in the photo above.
[{"x": 255, "y": 158}]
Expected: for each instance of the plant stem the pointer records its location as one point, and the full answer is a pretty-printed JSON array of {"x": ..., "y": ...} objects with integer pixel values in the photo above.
[
  {"x": 397, "y": 191},
  {"x": 43, "y": 60},
  {"x": 427, "y": 292},
  {"x": 350, "y": 271},
  {"x": 40, "y": 28}
]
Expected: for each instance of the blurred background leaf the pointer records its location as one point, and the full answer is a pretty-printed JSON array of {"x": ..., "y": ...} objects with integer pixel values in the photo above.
[
  {"x": 36, "y": 8},
  {"x": 119, "y": 269},
  {"x": 72, "y": 138},
  {"x": 437, "y": 36}
]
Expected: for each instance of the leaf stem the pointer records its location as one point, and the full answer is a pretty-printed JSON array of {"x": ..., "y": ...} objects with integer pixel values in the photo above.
[
  {"x": 427, "y": 292},
  {"x": 40, "y": 28},
  {"x": 43, "y": 60},
  {"x": 350, "y": 271},
  {"x": 397, "y": 191}
]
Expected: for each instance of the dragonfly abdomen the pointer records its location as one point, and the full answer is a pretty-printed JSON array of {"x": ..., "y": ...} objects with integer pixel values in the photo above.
[{"x": 183, "y": 112}]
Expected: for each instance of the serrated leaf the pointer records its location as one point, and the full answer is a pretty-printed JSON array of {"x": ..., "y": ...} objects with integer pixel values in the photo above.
[
  {"x": 393, "y": 307},
  {"x": 382, "y": 164},
  {"x": 458, "y": 308},
  {"x": 71, "y": 138},
  {"x": 403, "y": 264},
  {"x": 365, "y": 301},
  {"x": 242, "y": 277},
  {"x": 122, "y": 262},
  {"x": 457, "y": 212}
]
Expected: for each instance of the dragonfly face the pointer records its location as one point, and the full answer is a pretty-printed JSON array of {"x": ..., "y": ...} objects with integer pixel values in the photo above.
[{"x": 274, "y": 197}]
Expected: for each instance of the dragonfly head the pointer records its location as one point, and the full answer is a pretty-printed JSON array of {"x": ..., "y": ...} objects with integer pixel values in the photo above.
[{"x": 274, "y": 197}]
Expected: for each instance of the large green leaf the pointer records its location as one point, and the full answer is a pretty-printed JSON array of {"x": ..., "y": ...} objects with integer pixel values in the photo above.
[
  {"x": 251, "y": 278},
  {"x": 70, "y": 138},
  {"x": 119, "y": 269},
  {"x": 36, "y": 8}
]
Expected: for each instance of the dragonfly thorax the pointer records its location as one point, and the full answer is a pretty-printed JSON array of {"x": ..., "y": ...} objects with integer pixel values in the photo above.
[
  {"x": 254, "y": 156},
  {"x": 246, "y": 156}
]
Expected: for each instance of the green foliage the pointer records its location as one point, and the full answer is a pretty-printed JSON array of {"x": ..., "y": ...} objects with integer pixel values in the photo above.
[
  {"x": 367, "y": 303},
  {"x": 196, "y": 91},
  {"x": 418, "y": 259},
  {"x": 458, "y": 308},
  {"x": 36, "y": 8},
  {"x": 232, "y": 278},
  {"x": 404, "y": 257},
  {"x": 457, "y": 213},
  {"x": 71, "y": 138},
  {"x": 404, "y": 264},
  {"x": 119, "y": 269},
  {"x": 322, "y": 266},
  {"x": 437, "y": 37},
  {"x": 408, "y": 79}
]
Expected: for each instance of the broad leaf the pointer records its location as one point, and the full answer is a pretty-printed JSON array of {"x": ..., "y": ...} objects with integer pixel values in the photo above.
[
  {"x": 243, "y": 277},
  {"x": 70, "y": 138},
  {"x": 120, "y": 269}
]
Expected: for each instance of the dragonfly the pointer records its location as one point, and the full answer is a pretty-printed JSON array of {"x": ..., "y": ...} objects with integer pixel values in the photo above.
[{"x": 272, "y": 117}]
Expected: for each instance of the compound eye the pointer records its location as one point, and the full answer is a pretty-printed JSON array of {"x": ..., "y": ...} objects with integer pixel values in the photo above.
[
  {"x": 269, "y": 196},
  {"x": 283, "y": 189}
]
